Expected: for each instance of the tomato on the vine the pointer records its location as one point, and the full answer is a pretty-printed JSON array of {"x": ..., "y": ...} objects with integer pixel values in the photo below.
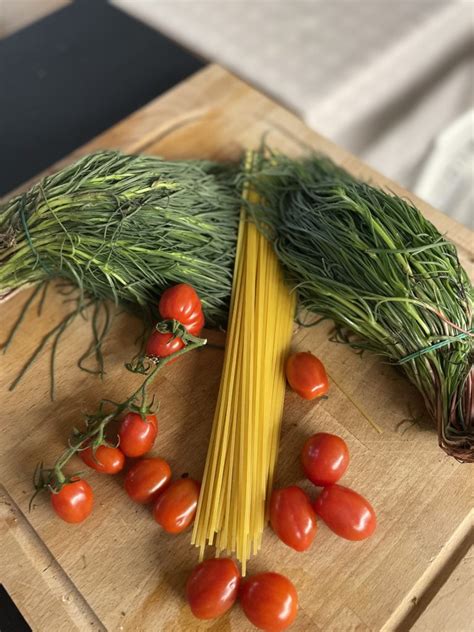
[
  {"x": 176, "y": 507},
  {"x": 325, "y": 458},
  {"x": 181, "y": 303},
  {"x": 194, "y": 327},
  {"x": 270, "y": 601},
  {"x": 162, "y": 345},
  {"x": 212, "y": 587},
  {"x": 292, "y": 517},
  {"x": 137, "y": 435},
  {"x": 306, "y": 375},
  {"x": 74, "y": 502},
  {"x": 346, "y": 512},
  {"x": 107, "y": 459},
  {"x": 147, "y": 478}
]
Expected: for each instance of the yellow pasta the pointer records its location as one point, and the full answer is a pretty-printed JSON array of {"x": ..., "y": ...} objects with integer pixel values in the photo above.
[{"x": 243, "y": 448}]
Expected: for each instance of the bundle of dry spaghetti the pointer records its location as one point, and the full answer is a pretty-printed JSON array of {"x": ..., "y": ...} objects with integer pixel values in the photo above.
[{"x": 245, "y": 433}]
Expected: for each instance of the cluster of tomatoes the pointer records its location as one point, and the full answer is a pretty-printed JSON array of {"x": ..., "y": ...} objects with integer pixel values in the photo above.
[
  {"x": 147, "y": 481},
  {"x": 324, "y": 458},
  {"x": 73, "y": 502},
  {"x": 180, "y": 303},
  {"x": 269, "y": 600},
  {"x": 75, "y": 499}
]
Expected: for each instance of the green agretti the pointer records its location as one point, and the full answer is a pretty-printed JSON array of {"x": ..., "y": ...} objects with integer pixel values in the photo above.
[
  {"x": 123, "y": 228},
  {"x": 373, "y": 264}
]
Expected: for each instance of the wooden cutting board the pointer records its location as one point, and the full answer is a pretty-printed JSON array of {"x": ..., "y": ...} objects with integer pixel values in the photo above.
[{"x": 118, "y": 571}]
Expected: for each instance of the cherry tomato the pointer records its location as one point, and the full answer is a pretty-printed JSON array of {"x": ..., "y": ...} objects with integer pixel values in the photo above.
[
  {"x": 270, "y": 601},
  {"x": 325, "y": 458},
  {"x": 292, "y": 517},
  {"x": 194, "y": 327},
  {"x": 212, "y": 587},
  {"x": 137, "y": 436},
  {"x": 74, "y": 502},
  {"x": 176, "y": 507},
  {"x": 181, "y": 303},
  {"x": 346, "y": 512},
  {"x": 162, "y": 345},
  {"x": 306, "y": 375},
  {"x": 107, "y": 459},
  {"x": 146, "y": 479}
]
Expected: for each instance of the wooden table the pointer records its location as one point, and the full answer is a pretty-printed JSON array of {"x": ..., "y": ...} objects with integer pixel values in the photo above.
[{"x": 117, "y": 571}]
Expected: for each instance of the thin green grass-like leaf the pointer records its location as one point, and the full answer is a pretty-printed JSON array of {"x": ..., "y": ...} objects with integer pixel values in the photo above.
[
  {"x": 124, "y": 228},
  {"x": 373, "y": 264}
]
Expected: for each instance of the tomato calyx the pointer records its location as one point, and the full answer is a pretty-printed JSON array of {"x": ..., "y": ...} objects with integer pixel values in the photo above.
[
  {"x": 144, "y": 409},
  {"x": 140, "y": 365},
  {"x": 176, "y": 328},
  {"x": 50, "y": 479},
  {"x": 169, "y": 339}
]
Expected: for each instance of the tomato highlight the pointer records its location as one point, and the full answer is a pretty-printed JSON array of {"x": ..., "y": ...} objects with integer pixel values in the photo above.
[
  {"x": 180, "y": 302},
  {"x": 324, "y": 458},
  {"x": 212, "y": 587},
  {"x": 162, "y": 345},
  {"x": 270, "y": 601},
  {"x": 346, "y": 512},
  {"x": 195, "y": 327},
  {"x": 107, "y": 459},
  {"x": 293, "y": 518},
  {"x": 137, "y": 435},
  {"x": 146, "y": 479},
  {"x": 306, "y": 375},
  {"x": 175, "y": 508},
  {"x": 74, "y": 502}
]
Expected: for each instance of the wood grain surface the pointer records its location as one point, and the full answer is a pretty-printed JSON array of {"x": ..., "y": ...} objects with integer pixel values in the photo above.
[
  {"x": 453, "y": 607},
  {"x": 117, "y": 571}
]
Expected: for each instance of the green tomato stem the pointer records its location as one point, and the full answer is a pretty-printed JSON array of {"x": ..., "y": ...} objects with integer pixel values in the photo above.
[{"x": 56, "y": 477}]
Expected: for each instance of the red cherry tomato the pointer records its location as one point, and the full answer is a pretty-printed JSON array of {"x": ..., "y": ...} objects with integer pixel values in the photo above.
[
  {"x": 306, "y": 375},
  {"x": 146, "y": 479},
  {"x": 107, "y": 459},
  {"x": 346, "y": 512},
  {"x": 137, "y": 436},
  {"x": 176, "y": 507},
  {"x": 292, "y": 517},
  {"x": 194, "y": 327},
  {"x": 325, "y": 458},
  {"x": 270, "y": 601},
  {"x": 181, "y": 303},
  {"x": 212, "y": 587},
  {"x": 74, "y": 502},
  {"x": 162, "y": 345}
]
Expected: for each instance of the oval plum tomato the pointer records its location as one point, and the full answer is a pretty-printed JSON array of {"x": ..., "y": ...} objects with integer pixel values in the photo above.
[
  {"x": 346, "y": 512},
  {"x": 292, "y": 517},
  {"x": 270, "y": 601},
  {"x": 306, "y": 375},
  {"x": 162, "y": 345},
  {"x": 146, "y": 478},
  {"x": 107, "y": 459},
  {"x": 176, "y": 507},
  {"x": 324, "y": 458},
  {"x": 181, "y": 303},
  {"x": 137, "y": 435},
  {"x": 212, "y": 587},
  {"x": 74, "y": 502}
]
